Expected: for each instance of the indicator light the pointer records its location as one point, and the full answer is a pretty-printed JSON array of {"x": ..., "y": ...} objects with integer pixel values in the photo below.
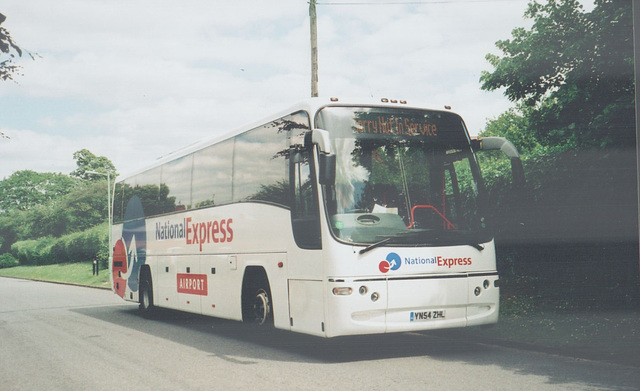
[
  {"x": 363, "y": 290},
  {"x": 342, "y": 291},
  {"x": 486, "y": 284},
  {"x": 477, "y": 291},
  {"x": 375, "y": 296}
]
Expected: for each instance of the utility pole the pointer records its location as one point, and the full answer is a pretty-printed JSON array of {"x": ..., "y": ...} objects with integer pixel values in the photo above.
[
  {"x": 314, "y": 48},
  {"x": 636, "y": 55}
]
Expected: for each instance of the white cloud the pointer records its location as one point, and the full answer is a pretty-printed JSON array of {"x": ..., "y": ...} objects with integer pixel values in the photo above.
[
  {"x": 30, "y": 150},
  {"x": 133, "y": 80}
]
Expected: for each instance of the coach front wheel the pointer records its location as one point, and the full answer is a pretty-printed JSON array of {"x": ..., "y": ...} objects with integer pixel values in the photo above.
[
  {"x": 257, "y": 303},
  {"x": 261, "y": 307}
]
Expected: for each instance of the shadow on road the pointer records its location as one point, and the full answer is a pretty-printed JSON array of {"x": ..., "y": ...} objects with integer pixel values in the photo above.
[
  {"x": 245, "y": 345},
  {"x": 214, "y": 335}
]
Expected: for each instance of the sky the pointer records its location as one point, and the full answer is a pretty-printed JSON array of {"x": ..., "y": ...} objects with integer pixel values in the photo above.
[{"x": 134, "y": 80}]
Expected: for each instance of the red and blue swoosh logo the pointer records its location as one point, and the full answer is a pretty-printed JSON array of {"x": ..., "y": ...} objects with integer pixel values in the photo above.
[
  {"x": 130, "y": 251},
  {"x": 392, "y": 262}
]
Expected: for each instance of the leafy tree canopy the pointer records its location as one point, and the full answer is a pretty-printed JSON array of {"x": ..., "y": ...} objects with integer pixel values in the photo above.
[
  {"x": 571, "y": 74},
  {"x": 26, "y": 189},
  {"x": 87, "y": 161},
  {"x": 85, "y": 206},
  {"x": 8, "y": 51}
]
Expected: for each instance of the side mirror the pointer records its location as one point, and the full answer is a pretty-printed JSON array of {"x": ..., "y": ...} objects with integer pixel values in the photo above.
[
  {"x": 321, "y": 138},
  {"x": 509, "y": 217},
  {"x": 327, "y": 169},
  {"x": 506, "y": 147},
  {"x": 326, "y": 159}
]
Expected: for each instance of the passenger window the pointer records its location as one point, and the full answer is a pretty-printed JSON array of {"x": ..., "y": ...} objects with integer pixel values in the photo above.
[
  {"x": 259, "y": 165},
  {"x": 176, "y": 178},
  {"x": 212, "y": 175}
]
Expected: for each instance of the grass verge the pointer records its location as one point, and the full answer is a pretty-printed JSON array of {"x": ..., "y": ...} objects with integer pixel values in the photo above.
[{"x": 75, "y": 273}]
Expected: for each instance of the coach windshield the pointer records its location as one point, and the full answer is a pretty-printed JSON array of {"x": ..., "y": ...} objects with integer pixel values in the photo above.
[{"x": 403, "y": 177}]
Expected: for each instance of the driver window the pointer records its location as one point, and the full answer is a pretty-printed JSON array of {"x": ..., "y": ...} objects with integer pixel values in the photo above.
[{"x": 304, "y": 208}]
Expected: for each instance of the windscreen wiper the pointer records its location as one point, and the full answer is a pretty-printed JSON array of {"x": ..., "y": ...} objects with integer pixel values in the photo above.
[
  {"x": 469, "y": 241},
  {"x": 477, "y": 246},
  {"x": 375, "y": 245},
  {"x": 387, "y": 239}
]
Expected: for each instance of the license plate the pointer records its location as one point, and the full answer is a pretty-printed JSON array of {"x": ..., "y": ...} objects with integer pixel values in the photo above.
[{"x": 419, "y": 316}]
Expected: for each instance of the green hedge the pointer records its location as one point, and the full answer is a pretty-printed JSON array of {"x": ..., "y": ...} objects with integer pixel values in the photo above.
[
  {"x": 82, "y": 246},
  {"x": 8, "y": 260},
  {"x": 33, "y": 252}
]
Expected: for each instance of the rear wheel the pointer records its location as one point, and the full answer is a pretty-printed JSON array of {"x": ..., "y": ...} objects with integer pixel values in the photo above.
[{"x": 146, "y": 297}]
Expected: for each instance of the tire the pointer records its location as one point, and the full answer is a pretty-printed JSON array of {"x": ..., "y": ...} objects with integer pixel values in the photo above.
[
  {"x": 257, "y": 305},
  {"x": 145, "y": 297},
  {"x": 262, "y": 308}
]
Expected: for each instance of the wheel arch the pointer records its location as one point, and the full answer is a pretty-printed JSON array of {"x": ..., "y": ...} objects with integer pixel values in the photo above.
[
  {"x": 254, "y": 274},
  {"x": 145, "y": 273}
]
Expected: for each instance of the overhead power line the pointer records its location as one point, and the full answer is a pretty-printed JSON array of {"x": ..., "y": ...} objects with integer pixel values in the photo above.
[{"x": 412, "y": 2}]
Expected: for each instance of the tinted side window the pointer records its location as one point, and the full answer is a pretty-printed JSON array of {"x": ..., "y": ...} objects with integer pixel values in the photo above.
[
  {"x": 251, "y": 166},
  {"x": 259, "y": 165},
  {"x": 154, "y": 196},
  {"x": 304, "y": 204},
  {"x": 212, "y": 175},
  {"x": 118, "y": 202},
  {"x": 176, "y": 180}
]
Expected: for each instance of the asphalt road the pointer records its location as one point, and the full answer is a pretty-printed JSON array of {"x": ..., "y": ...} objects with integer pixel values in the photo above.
[{"x": 59, "y": 337}]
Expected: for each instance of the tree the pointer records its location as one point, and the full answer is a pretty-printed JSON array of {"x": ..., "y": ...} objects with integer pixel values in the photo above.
[
  {"x": 9, "y": 49},
  {"x": 571, "y": 77},
  {"x": 82, "y": 208},
  {"x": 574, "y": 71},
  {"x": 26, "y": 189},
  {"x": 87, "y": 161},
  {"x": 514, "y": 125}
]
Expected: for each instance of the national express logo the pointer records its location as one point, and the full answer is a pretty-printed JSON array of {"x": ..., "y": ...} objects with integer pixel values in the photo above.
[
  {"x": 129, "y": 252},
  {"x": 196, "y": 233},
  {"x": 394, "y": 261}
]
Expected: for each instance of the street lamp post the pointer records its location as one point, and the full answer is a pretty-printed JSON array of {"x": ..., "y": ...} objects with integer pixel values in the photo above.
[{"x": 109, "y": 206}]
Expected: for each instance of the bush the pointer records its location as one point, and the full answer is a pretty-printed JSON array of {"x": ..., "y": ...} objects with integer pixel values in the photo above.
[
  {"x": 102, "y": 256},
  {"x": 577, "y": 246},
  {"x": 7, "y": 260},
  {"x": 83, "y": 246},
  {"x": 33, "y": 252}
]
